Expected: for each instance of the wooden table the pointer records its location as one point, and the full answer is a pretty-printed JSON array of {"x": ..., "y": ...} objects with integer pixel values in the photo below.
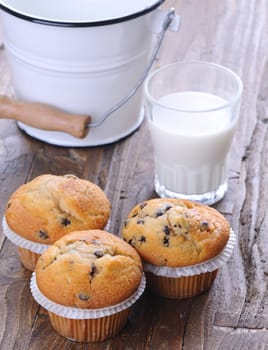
[{"x": 234, "y": 313}]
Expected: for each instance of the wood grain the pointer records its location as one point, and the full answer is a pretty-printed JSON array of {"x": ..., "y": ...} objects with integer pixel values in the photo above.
[{"x": 234, "y": 313}]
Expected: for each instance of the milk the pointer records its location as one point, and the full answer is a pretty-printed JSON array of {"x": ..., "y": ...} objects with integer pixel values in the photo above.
[{"x": 191, "y": 145}]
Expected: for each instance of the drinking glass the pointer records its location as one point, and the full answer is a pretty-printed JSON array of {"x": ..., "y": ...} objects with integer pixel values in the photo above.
[{"x": 192, "y": 111}]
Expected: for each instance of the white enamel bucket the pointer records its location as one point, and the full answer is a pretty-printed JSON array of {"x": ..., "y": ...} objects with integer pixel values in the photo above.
[{"x": 83, "y": 57}]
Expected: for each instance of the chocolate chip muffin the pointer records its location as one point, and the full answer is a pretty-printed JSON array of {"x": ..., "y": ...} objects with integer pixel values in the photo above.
[
  {"x": 89, "y": 269},
  {"x": 49, "y": 206},
  {"x": 182, "y": 245},
  {"x": 88, "y": 281},
  {"x": 175, "y": 233}
]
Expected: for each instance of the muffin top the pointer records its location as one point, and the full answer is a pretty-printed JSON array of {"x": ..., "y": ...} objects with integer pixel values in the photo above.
[
  {"x": 175, "y": 233},
  {"x": 89, "y": 269},
  {"x": 49, "y": 206}
]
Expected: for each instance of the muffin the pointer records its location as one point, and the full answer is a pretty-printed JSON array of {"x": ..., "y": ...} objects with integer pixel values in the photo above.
[
  {"x": 43, "y": 210},
  {"x": 181, "y": 243},
  {"x": 88, "y": 282}
]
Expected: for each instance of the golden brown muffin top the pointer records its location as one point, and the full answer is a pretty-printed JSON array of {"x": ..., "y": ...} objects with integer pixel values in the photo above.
[
  {"x": 89, "y": 269},
  {"x": 49, "y": 206},
  {"x": 175, "y": 233}
]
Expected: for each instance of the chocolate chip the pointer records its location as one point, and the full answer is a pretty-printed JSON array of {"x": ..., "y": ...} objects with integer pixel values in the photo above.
[
  {"x": 93, "y": 271},
  {"x": 163, "y": 210},
  {"x": 98, "y": 253},
  {"x": 134, "y": 215},
  {"x": 142, "y": 239},
  {"x": 204, "y": 226},
  {"x": 143, "y": 205},
  {"x": 9, "y": 205},
  {"x": 166, "y": 241},
  {"x": 65, "y": 222},
  {"x": 83, "y": 296},
  {"x": 140, "y": 222},
  {"x": 168, "y": 207},
  {"x": 166, "y": 229},
  {"x": 132, "y": 241},
  {"x": 159, "y": 213},
  {"x": 177, "y": 225},
  {"x": 43, "y": 234}
]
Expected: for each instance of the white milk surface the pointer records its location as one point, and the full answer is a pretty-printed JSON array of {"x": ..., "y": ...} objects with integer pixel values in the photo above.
[{"x": 191, "y": 146}]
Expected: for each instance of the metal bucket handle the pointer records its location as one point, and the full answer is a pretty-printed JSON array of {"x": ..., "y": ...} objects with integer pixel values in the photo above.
[{"x": 166, "y": 23}]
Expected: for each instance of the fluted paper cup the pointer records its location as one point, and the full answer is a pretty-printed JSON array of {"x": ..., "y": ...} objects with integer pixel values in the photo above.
[
  {"x": 29, "y": 252},
  {"x": 188, "y": 281},
  {"x": 87, "y": 325}
]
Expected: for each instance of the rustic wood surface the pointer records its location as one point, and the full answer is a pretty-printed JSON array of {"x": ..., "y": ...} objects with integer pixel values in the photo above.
[{"x": 234, "y": 313}]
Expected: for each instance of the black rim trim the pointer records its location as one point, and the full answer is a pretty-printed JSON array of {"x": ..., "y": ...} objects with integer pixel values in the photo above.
[{"x": 80, "y": 24}]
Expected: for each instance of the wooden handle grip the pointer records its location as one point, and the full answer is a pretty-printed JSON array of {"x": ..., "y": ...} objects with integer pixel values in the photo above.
[{"x": 43, "y": 116}]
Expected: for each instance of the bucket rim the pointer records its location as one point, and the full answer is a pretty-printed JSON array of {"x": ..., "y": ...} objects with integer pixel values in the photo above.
[{"x": 77, "y": 23}]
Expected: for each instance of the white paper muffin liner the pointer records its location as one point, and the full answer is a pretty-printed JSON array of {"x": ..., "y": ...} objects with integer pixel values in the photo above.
[
  {"x": 21, "y": 242},
  {"x": 34, "y": 247},
  {"x": 208, "y": 266},
  {"x": 81, "y": 314}
]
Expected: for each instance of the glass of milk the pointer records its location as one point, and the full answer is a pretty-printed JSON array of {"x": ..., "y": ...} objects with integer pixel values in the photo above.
[{"x": 192, "y": 110}]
